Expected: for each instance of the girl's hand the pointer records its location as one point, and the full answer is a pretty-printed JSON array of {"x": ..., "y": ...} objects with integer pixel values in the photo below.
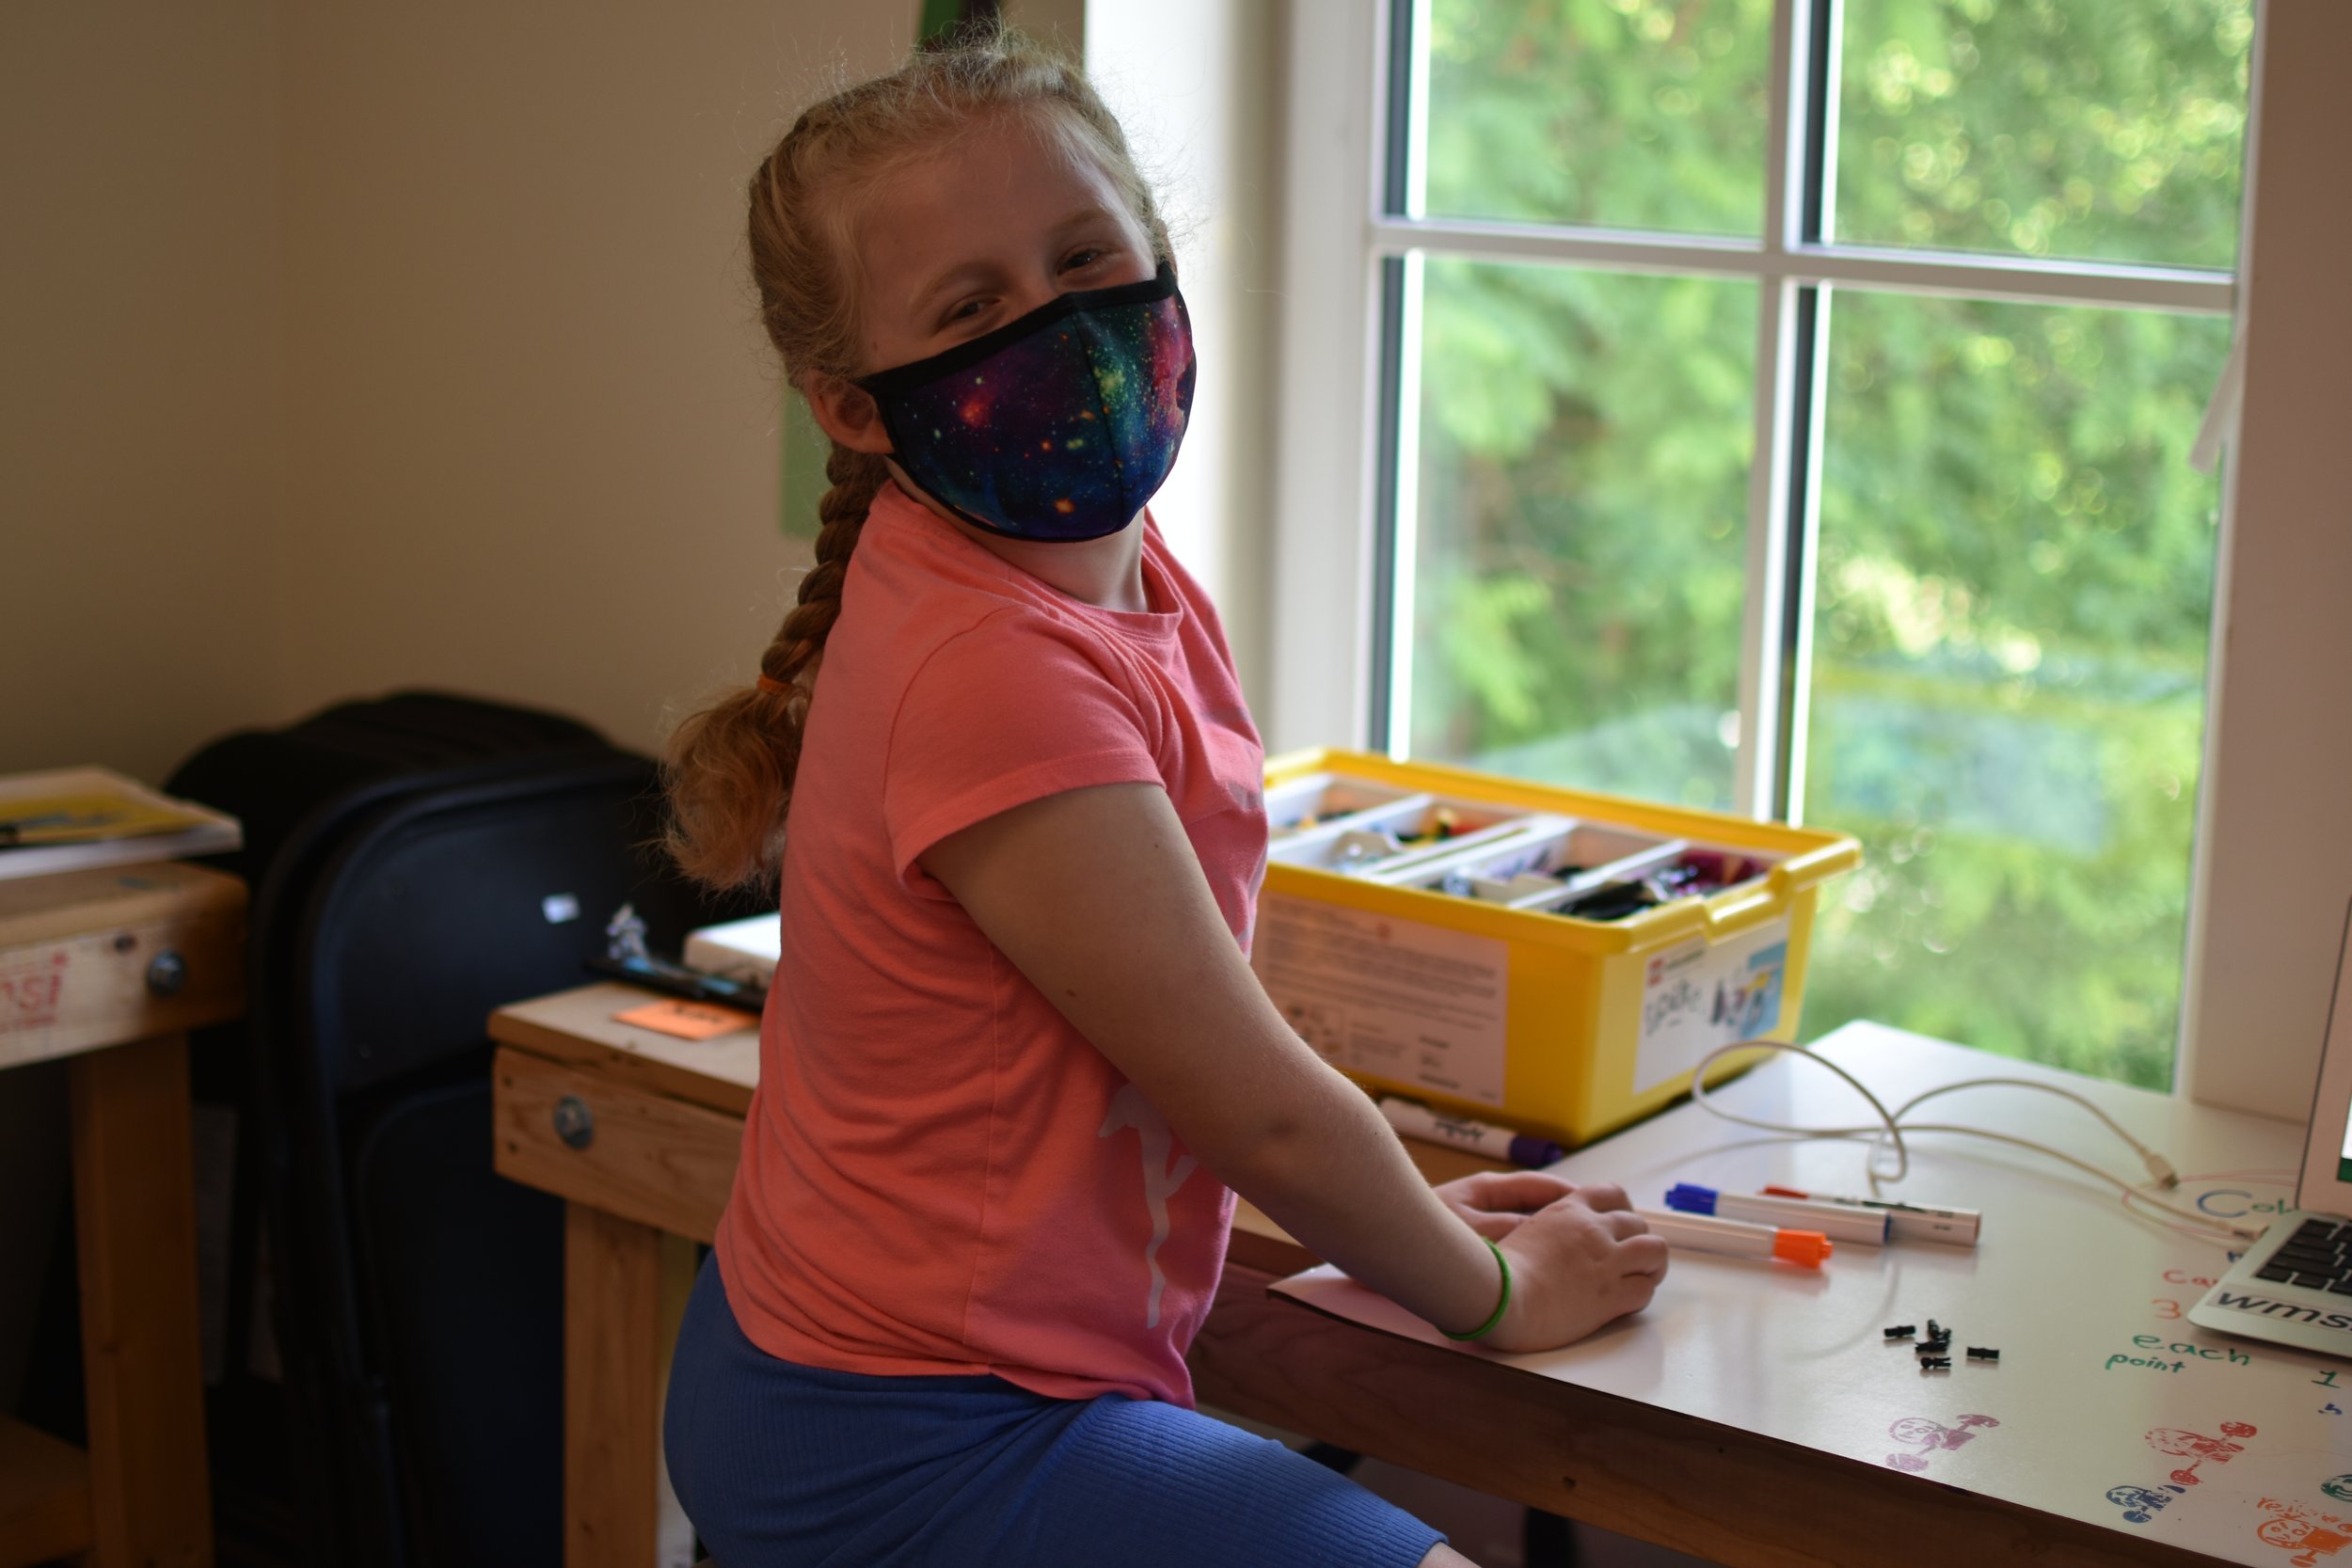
[
  {"x": 1576, "y": 1264},
  {"x": 1495, "y": 1203}
]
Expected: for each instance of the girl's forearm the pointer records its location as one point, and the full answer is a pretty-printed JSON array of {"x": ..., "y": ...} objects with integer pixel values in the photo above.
[{"x": 1336, "y": 1179}]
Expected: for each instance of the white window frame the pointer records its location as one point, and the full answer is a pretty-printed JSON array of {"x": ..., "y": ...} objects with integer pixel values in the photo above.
[{"x": 1336, "y": 234}]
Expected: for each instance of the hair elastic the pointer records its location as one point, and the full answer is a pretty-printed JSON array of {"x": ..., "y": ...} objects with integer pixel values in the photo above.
[{"x": 769, "y": 683}]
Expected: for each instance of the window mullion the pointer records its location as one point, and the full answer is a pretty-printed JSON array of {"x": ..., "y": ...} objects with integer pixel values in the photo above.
[
  {"x": 1808, "y": 399},
  {"x": 1757, "y": 770}
]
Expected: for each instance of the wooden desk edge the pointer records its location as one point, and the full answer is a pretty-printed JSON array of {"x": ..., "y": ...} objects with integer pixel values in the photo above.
[
  {"x": 516, "y": 1025},
  {"x": 1610, "y": 1461}
]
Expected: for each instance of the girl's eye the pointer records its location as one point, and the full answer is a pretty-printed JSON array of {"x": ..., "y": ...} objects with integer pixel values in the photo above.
[
  {"x": 1083, "y": 257},
  {"x": 966, "y": 310}
]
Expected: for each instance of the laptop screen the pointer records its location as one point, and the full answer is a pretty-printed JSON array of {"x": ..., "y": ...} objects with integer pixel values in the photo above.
[{"x": 2326, "y": 1177}]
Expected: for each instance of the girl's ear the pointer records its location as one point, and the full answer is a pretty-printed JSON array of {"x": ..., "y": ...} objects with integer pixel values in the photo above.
[{"x": 847, "y": 413}]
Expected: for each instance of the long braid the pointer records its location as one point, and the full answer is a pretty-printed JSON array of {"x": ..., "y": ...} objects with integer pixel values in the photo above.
[
  {"x": 729, "y": 767},
  {"x": 856, "y": 478}
]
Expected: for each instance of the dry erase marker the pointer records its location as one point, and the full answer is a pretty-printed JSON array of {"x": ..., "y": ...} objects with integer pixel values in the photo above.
[
  {"x": 1905, "y": 1222},
  {"x": 1838, "y": 1222},
  {"x": 1705, "y": 1234},
  {"x": 1496, "y": 1143}
]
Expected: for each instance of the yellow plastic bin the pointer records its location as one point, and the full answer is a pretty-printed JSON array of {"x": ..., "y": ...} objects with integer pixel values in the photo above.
[{"x": 1450, "y": 935}]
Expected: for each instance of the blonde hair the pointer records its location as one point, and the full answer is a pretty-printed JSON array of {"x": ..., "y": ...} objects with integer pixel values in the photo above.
[{"x": 728, "y": 768}]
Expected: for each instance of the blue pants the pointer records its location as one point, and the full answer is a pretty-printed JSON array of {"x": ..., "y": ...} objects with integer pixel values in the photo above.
[{"x": 781, "y": 1465}]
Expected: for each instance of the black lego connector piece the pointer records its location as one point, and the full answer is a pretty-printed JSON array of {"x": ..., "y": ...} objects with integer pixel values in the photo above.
[
  {"x": 1902, "y": 1331},
  {"x": 1936, "y": 1363},
  {"x": 1936, "y": 1346},
  {"x": 1983, "y": 1353},
  {"x": 1938, "y": 1331}
]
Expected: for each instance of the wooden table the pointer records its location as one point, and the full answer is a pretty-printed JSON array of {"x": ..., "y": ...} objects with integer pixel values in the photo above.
[
  {"x": 110, "y": 968},
  {"x": 639, "y": 1132}
]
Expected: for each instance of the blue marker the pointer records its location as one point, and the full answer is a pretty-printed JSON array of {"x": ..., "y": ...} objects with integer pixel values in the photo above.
[{"x": 1835, "y": 1221}]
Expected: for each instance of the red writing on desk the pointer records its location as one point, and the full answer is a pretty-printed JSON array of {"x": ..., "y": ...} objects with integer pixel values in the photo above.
[
  {"x": 2141, "y": 1504},
  {"x": 30, "y": 993},
  {"x": 2197, "y": 1449}
]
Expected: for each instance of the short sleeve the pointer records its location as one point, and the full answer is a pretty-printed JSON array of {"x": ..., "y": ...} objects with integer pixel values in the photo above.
[{"x": 1013, "y": 710}]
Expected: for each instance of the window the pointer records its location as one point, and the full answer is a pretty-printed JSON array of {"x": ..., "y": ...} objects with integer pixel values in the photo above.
[{"x": 1785, "y": 409}]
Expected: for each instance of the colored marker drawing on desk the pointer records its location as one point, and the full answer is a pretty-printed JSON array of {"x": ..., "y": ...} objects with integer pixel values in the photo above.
[
  {"x": 1933, "y": 1437},
  {"x": 2308, "y": 1533},
  {"x": 2197, "y": 1449},
  {"x": 2141, "y": 1504}
]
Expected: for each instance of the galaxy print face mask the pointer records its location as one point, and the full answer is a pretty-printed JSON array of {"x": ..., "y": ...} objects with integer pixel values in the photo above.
[{"x": 1057, "y": 426}]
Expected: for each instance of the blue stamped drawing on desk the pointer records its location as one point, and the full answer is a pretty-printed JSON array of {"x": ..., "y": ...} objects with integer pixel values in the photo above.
[{"x": 2141, "y": 1504}]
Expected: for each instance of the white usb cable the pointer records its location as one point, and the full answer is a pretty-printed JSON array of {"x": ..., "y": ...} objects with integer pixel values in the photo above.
[{"x": 1888, "y": 1134}]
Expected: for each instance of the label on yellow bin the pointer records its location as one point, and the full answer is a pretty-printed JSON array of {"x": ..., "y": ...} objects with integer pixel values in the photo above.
[
  {"x": 1696, "y": 998},
  {"x": 1395, "y": 999}
]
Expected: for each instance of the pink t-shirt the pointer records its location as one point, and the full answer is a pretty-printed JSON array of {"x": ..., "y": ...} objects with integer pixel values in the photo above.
[{"x": 940, "y": 1174}]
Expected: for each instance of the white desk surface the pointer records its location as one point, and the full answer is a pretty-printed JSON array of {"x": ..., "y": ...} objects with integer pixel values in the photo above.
[{"x": 2106, "y": 1405}]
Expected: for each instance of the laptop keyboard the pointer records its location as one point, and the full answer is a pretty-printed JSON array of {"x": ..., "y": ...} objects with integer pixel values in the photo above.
[{"x": 2317, "y": 1256}]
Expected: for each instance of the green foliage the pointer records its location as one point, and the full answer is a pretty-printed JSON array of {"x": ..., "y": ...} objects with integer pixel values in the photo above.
[
  {"x": 2110, "y": 128},
  {"x": 1599, "y": 112},
  {"x": 1578, "y": 580},
  {"x": 2015, "y": 564}
]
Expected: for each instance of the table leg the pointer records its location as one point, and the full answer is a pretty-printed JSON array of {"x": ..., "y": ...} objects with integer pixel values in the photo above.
[
  {"x": 625, "y": 1289},
  {"x": 134, "y": 1219}
]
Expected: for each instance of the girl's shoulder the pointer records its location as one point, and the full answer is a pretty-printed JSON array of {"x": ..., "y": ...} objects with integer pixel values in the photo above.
[
  {"x": 917, "y": 556},
  {"x": 920, "y": 596}
]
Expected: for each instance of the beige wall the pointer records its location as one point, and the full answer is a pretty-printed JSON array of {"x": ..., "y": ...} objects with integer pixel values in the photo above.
[
  {"x": 357, "y": 347},
  {"x": 531, "y": 446},
  {"x": 138, "y": 396}
]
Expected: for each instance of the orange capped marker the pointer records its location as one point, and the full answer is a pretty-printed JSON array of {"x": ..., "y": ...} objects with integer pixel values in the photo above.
[{"x": 1707, "y": 1233}]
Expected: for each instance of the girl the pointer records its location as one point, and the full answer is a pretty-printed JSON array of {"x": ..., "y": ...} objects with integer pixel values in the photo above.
[{"x": 1015, "y": 1063}]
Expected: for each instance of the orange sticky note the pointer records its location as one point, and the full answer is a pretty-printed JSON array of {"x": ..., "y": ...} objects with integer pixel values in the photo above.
[{"x": 688, "y": 1021}]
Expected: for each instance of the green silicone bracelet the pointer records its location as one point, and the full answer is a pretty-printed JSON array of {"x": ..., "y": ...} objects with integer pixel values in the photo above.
[{"x": 1502, "y": 1303}]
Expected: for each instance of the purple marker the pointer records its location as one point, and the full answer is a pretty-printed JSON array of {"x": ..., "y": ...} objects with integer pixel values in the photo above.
[{"x": 1416, "y": 1120}]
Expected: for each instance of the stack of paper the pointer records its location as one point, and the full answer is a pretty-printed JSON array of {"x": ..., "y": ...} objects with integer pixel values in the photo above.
[{"x": 84, "y": 817}]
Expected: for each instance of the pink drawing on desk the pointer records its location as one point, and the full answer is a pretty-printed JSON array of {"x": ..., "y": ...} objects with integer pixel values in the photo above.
[
  {"x": 2197, "y": 1448},
  {"x": 2307, "y": 1532},
  {"x": 1933, "y": 1437}
]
